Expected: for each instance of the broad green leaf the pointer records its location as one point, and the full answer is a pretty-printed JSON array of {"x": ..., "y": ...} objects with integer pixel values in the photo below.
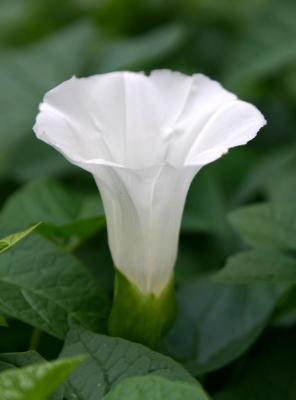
[
  {"x": 110, "y": 361},
  {"x": 258, "y": 265},
  {"x": 35, "y": 382},
  {"x": 155, "y": 387},
  {"x": 230, "y": 171},
  {"x": 44, "y": 286},
  {"x": 269, "y": 373},
  {"x": 264, "y": 173},
  {"x": 18, "y": 360},
  {"x": 283, "y": 188},
  {"x": 205, "y": 209},
  {"x": 267, "y": 225},
  {"x": 95, "y": 255},
  {"x": 268, "y": 44},
  {"x": 285, "y": 312},
  {"x": 232, "y": 11},
  {"x": 26, "y": 74},
  {"x": 11, "y": 14},
  {"x": 69, "y": 216},
  {"x": 36, "y": 160},
  {"x": 134, "y": 52},
  {"x": 217, "y": 323},
  {"x": 3, "y": 321},
  {"x": 11, "y": 240}
]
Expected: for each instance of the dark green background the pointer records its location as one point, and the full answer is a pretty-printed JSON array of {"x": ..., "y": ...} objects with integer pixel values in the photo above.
[{"x": 250, "y": 47}]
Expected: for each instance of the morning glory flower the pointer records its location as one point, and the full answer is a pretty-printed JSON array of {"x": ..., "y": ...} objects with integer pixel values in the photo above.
[{"x": 144, "y": 138}]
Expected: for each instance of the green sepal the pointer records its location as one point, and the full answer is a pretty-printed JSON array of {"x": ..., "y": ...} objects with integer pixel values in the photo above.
[{"x": 140, "y": 317}]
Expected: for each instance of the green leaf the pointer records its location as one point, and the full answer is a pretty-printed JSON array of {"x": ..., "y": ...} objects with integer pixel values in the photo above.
[
  {"x": 258, "y": 265},
  {"x": 155, "y": 387},
  {"x": 285, "y": 312},
  {"x": 3, "y": 321},
  {"x": 12, "y": 12},
  {"x": 134, "y": 52},
  {"x": 231, "y": 11},
  {"x": 282, "y": 189},
  {"x": 217, "y": 323},
  {"x": 69, "y": 215},
  {"x": 110, "y": 361},
  {"x": 267, "y": 225},
  {"x": 18, "y": 360},
  {"x": 35, "y": 382},
  {"x": 269, "y": 373},
  {"x": 205, "y": 209},
  {"x": 26, "y": 74},
  {"x": 268, "y": 44},
  {"x": 11, "y": 240},
  {"x": 35, "y": 160},
  {"x": 44, "y": 286},
  {"x": 264, "y": 173}
]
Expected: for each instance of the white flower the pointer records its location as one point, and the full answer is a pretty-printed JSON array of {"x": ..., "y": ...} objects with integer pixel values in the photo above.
[{"x": 144, "y": 138}]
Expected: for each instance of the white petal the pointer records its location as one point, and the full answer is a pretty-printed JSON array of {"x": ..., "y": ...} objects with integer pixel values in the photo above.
[
  {"x": 204, "y": 97},
  {"x": 116, "y": 117},
  {"x": 232, "y": 125},
  {"x": 144, "y": 212}
]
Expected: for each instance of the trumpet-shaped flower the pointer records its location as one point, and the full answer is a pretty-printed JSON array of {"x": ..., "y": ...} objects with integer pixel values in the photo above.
[{"x": 144, "y": 138}]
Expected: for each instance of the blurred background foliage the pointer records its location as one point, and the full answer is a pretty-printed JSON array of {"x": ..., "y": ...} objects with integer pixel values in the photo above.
[{"x": 250, "y": 47}]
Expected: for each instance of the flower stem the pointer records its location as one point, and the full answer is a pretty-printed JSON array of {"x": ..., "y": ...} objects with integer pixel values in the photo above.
[
  {"x": 140, "y": 317},
  {"x": 35, "y": 339}
]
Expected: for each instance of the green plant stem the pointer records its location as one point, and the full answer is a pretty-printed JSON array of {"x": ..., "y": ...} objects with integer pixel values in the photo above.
[
  {"x": 35, "y": 339},
  {"x": 141, "y": 317}
]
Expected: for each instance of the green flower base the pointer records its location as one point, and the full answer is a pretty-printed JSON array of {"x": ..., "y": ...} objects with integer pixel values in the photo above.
[{"x": 139, "y": 317}]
